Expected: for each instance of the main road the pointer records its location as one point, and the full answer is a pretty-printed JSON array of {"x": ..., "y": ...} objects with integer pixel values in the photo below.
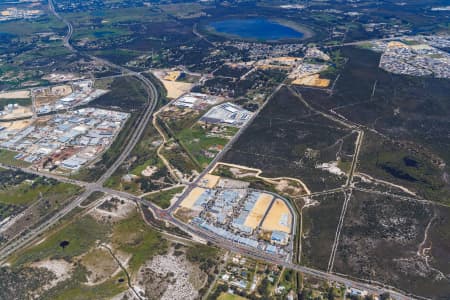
[
  {"x": 152, "y": 101},
  {"x": 167, "y": 214}
]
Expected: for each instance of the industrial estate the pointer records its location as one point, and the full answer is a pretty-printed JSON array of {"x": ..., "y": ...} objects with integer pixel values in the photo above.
[
  {"x": 231, "y": 150},
  {"x": 230, "y": 209}
]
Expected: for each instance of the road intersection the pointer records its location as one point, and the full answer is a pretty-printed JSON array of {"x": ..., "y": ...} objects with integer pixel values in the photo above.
[{"x": 167, "y": 215}]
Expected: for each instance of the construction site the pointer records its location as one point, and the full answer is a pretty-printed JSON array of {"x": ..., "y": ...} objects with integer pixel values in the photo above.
[
  {"x": 49, "y": 99},
  {"x": 232, "y": 210}
]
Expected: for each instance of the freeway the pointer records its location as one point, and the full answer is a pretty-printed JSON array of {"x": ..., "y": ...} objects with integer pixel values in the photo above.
[
  {"x": 167, "y": 215},
  {"x": 29, "y": 236},
  {"x": 69, "y": 26},
  {"x": 46, "y": 174},
  {"x": 152, "y": 101}
]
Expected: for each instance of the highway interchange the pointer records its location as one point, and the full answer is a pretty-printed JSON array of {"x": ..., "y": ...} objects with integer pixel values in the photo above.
[{"x": 167, "y": 215}]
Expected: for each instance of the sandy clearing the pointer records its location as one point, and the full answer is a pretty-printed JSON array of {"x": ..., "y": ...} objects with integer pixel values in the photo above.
[
  {"x": 312, "y": 80},
  {"x": 181, "y": 287},
  {"x": 149, "y": 171},
  {"x": 122, "y": 211},
  {"x": 20, "y": 112},
  {"x": 175, "y": 88},
  {"x": 258, "y": 175},
  {"x": 15, "y": 95},
  {"x": 16, "y": 125},
  {"x": 61, "y": 90},
  {"x": 210, "y": 181},
  {"x": 255, "y": 216},
  {"x": 61, "y": 268},
  {"x": 189, "y": 201},
  {"x": 277, "y": 213}
]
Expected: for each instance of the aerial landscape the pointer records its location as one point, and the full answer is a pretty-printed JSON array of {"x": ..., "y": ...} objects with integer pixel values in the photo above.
[{"x": 231, "y": 150}]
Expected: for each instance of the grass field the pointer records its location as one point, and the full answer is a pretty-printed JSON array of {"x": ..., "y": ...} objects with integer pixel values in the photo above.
[
  {"x": 81, "y": 236},
  {"x": 7, "y": 158},
  {"x": 162, "y": 199},
  {"x": 133, "y": 236},
  {"x": 227, "y": 296},
  {"x": 76, "y": 289},
  {"x": 26, "y": 192},
  {"x": 198, "y": 142}
]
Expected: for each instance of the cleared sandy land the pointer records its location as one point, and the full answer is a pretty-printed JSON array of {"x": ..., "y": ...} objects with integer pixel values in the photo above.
[
  {"x": 20, "y": 112},
  {"x": 189, "y": 201},
  {"x": 175, "y": 88},
  {"x": 46, "y": 96},
  {"x": 277, "y": 213},
  {"x": 61, "y": 90},
  {"x": 169, "y": 277},
  {"x": 210, "y": 181},
  {"x": 312, "y": 80},
  {"x": 15, "y": 95},
  {"x": 16, "y": 125},
  {"x": 61, "y": 268},
  {"x": 149, "y": 171},
  {"x": 255, "y": 216},
  {"x": 119, "y": 212}
]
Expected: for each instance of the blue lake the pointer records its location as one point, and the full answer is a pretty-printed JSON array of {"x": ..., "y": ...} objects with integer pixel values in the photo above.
[{"x": 257, "y": 28}]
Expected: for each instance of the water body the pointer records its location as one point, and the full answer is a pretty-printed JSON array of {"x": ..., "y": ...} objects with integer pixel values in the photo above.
[{"x": 256, "y": 29}]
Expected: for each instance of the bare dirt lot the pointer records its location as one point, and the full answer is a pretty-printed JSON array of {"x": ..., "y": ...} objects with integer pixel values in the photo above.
[
  {"x": 312, "y": 80},
  {"x": 15, "y": 95},
  {"x": 278, "y": 212}
]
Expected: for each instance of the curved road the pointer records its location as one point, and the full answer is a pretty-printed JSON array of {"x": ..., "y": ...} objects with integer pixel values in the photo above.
[
  {"x": 159, "y": 213},
  {"x": 153, "y": 96}
]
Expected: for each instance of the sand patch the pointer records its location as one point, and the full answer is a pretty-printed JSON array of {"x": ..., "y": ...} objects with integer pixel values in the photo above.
[
  {"x": 189, "y": 201},
  {"x": 113, "y": 209},
  {"x": 19, "y": 112},
  {"x": 210, "y": 181},
  {"x": 312, "y": 80},
  {"x": 15, "y": 95},
  {"x": 257, "y": 213},
  {"x": 61, "y": 268},
  {"x": 16, "y": 125},
  {"x": 168, "y": 277},
  {"x": 149, "y": 171},
  {"x": 175, "y": 88},
  {"x": 279, "y": 218},
  {"x": 61, "y": 90}
]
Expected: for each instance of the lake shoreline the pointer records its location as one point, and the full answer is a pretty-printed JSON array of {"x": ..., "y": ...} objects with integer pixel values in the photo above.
[{"x": 305, "y": 32}]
